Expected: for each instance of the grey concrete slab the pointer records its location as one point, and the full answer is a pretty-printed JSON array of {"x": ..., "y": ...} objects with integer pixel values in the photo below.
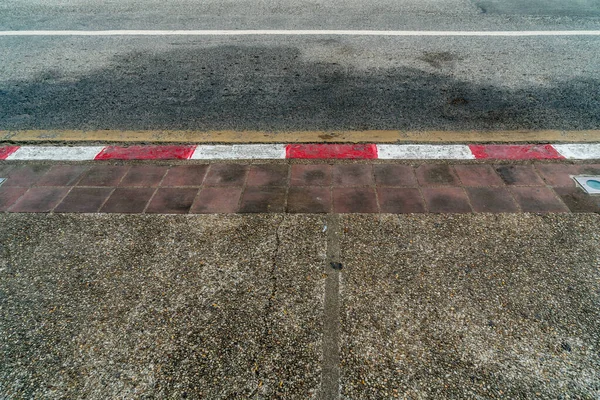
[
  {"x": 483, "y": 306},
  {"x": 97, "y": 306}
]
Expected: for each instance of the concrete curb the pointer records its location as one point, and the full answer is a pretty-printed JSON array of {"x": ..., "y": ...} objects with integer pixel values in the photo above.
[{"x": 572, "y": 151}]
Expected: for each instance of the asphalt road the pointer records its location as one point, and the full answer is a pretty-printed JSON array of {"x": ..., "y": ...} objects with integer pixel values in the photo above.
[{"x": 300, "y": 83}]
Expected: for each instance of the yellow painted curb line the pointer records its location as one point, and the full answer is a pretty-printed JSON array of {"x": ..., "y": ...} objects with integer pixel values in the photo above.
[{"x": 371, "y": 136}]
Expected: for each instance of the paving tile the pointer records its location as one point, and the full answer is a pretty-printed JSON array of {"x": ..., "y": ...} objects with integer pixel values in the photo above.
[
  {"x": 128, "y": 200},
  {"x": 519, "y": 175},
  {"x": 143, "y": 176},
  {"x": 478, "y": 175},
  {"x": 353, "y": 175},
  {"x": 172, "y": 201},
  {"x": 87, "y": 200},
  {"x": 217, "y": 200},
  {"x": 25, "y": 175},
  {"x": 311, "y": 175},
  {"x": 589, "y": 169},
  {"x": 491, "y": 200},
  {"x": 40, "y": 199},
  {"x": 9, "y": 195},
  {"x": 226, "y": 175},
  {"x": 537, "y": 199},
  {"x": 400, "y": 200},
  {"x": 437, "y": 175},
  {"x": 263, "y": 199},
  {"x": 354, "y": 200},
  {"x": 185, "y": 175},
  {"x": 394, "y": 175},
  {"x": 268, "y": 175},
  {"x": 62, "y": 175},
  {"x": 577, "y": 200},
  {"x": 558, "y": 175},
  {"x": 446, "y": 200},
  {"x": 5, "y": 169},
  {"x": 103, "y": 175},
  {"x": 315, "y": 199}
]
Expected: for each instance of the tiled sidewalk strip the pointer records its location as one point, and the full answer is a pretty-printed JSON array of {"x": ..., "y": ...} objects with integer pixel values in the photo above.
[
  {"x": 295, "y": 188},
  {"x": 305, "y": 151}
]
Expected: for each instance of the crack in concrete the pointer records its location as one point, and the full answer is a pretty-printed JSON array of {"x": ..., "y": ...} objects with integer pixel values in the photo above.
[{"x": 268, "y": 306}]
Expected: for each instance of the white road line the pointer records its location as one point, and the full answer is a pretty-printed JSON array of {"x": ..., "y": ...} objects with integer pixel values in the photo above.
[
  {"x": 56, "y": 153},
  {"x": 283, "y": 32},
  {"x": 239, "y": 152},
  {"x": 579, "y": 151},
  {"x": 424, "y": 152}
]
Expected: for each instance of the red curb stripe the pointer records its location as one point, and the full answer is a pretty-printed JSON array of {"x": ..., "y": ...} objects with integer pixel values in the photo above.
[
  {"x": 338, "y": 151},
  {"x": 6, "y": 151},
  {"x": 515, "y": 152},
  {"x": 146, "y": 153}
]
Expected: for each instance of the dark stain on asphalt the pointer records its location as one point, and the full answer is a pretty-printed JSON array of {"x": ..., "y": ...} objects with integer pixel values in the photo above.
[{"x": 275, "y": 89}]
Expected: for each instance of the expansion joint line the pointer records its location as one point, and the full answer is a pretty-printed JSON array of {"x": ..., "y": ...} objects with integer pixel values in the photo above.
[{"x": 330, "y": 379}]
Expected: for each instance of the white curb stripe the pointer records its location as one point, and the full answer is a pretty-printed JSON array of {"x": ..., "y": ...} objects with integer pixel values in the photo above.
[
  {"x": 578, "y": 151},
  {"x": 292, "y": 32},
  {"x": 424, "y": 152},
  {"x": 79, "y": 153},
  {"x": 239, "y": 152}
]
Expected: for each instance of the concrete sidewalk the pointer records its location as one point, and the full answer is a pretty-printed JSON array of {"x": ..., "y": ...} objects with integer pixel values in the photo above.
[
  {"x": 239, "y": 306},
  {"x": 305, "y": 186}
]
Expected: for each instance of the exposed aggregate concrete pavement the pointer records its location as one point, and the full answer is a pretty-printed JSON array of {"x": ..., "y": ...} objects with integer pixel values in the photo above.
[
  {"x": 167, "y": 307},
  {"x": 471, "y": 307},
  {"x": 431, "y": 306}
]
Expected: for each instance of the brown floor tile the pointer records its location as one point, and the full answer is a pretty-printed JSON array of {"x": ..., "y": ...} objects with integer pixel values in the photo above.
[
  {"x": 519, "y": 175},
  {"x": 128, "y": 200},
  {"x": 400, "y": 200},
  {"x": 5, "y": 169},
  {"x": 172, "y": 201},
  {"x": 437, "y": 175},
  {"x": 311, "y": 175},
  {"x": 558, "y": 174},
  {"x": 25, "y": 175},
  {"x": 226, "y": 175},
  {"x": 354, "y": 200},
  {"x": 589, "y": 169},
  {"x": 217, "y": 200},
  {"x": 103, "y": 175},
  {"x": 491, "y": 200},
  {"x": 263, "y": 199},
  {"x": 143, "y": 176},
  {"x": 537, "y": 199},
  {"x": 446, "y": 200},
  {"x": 577, "y": 200},
  {"x": 316, "y": 199},
  {"x": 62, "y": 175},
  {"x": 394, "y": 175},
  {"x": 40, "y": 199},
  {"x": 268, "y": 175},
  {"x": 86, "y": 200},
  {"x": 353, "y": 175},
  {"x": 185, "y": 175},
  {"x": 9, "y": 196},
  {"x": 478, "y": 175}
]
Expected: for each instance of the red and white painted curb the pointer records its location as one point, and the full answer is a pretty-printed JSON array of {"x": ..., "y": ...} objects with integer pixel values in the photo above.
[{"x": 574, "y": 151}]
